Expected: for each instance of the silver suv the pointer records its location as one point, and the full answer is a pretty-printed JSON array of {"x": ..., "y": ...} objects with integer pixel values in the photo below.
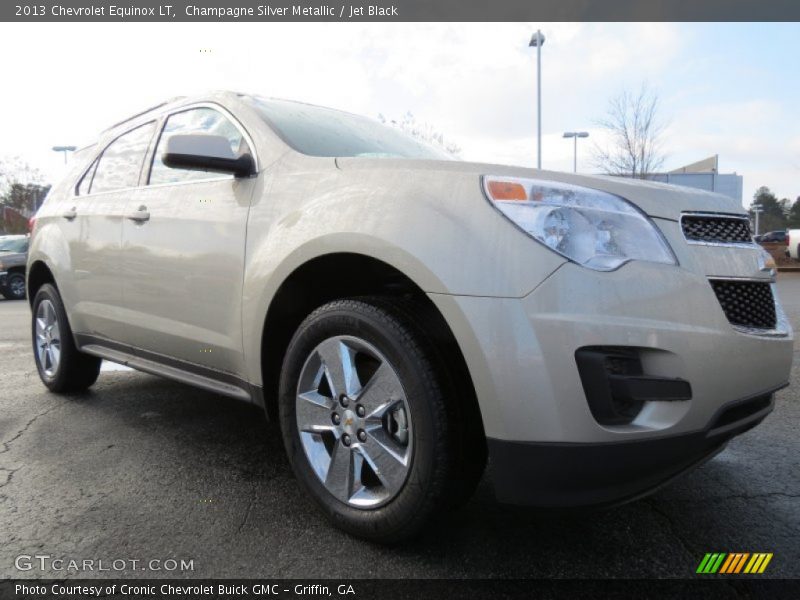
[{"x": 404, "y": 315}]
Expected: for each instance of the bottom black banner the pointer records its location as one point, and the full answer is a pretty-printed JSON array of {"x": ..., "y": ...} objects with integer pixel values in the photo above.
[{"x": 155, "y": 589}]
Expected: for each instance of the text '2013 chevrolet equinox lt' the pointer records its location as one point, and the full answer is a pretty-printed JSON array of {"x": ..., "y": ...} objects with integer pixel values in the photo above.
[{"x": 406, "y": 316}]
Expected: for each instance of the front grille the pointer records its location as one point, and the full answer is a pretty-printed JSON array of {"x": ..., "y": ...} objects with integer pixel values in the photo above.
[
  {"x": 746, "y": 303},
  {"x": 716, "y": 229}
]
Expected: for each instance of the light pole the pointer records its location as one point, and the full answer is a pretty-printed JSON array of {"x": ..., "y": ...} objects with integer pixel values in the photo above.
[
  {"x": 757, "y": 209},
  {"x": 575, "y": 135},
  {"x": 537, "y": 41},
  {"x": 64, "y": 149}
]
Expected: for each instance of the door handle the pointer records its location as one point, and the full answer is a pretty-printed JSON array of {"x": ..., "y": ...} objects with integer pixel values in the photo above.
[
  {"x": 70, "y": 214},
  {"x": 140, "y": 214}
]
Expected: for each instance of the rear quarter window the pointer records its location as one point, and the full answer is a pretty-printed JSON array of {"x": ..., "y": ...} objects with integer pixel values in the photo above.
[{"x": 85, "y": 182}]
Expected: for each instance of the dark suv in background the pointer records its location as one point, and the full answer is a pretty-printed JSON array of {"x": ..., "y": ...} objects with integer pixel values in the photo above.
[{"x": 13, "y": 257}]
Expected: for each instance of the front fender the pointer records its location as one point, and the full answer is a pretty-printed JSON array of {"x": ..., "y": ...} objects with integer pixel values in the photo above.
[
  {"x": 264, "y": 278},
  {"x": 433, "y": 226}
]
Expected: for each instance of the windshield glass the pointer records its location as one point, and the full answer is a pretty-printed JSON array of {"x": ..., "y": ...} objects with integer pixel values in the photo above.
[
  {"x": 318, "y": 131},
  {"x": 14, "y": 245}
]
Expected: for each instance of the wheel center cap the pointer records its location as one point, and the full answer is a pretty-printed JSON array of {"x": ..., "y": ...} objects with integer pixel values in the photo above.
[{"x": 349, "y": 422}]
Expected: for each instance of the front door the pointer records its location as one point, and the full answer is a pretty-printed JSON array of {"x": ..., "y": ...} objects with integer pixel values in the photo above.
[{"x": 183, "y": 253}]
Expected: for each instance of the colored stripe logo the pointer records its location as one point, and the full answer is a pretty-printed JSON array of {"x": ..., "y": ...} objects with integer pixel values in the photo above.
[{"x": 734, "y": 562}]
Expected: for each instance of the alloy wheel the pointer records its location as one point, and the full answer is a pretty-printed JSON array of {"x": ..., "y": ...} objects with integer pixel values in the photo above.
[
  {"x": 48, "y": 338},
  {"x": 354, "y": 422},
  {"x": 17, "y": 287}
]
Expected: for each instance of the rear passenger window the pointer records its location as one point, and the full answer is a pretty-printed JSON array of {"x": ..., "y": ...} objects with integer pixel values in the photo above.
[
  {"x": 194, "y": 120},
  {"x": 121, "y": 161}
]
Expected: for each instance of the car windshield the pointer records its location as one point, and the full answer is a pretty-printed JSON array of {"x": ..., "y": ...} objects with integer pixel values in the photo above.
[
  {"x": 14, "y": 245},
  {"x": 318, "y": 131}
]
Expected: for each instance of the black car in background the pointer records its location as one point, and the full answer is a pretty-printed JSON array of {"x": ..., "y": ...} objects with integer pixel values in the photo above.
[
  {"x": 775, "y": 237},
  {"x": 13, "y": 257}
]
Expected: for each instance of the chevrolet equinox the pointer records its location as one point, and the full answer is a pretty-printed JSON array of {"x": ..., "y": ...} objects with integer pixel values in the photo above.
[{"x": 407, "y": 317}]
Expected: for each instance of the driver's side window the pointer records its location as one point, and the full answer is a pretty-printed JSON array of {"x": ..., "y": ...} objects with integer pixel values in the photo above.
[{"x": 193, "y": 121}]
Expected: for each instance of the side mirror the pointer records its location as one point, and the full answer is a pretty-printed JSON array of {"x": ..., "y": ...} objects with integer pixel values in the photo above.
[{"x": 201, "y": 152}]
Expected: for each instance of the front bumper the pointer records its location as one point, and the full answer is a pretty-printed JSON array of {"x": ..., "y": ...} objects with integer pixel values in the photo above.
[
  {"x": 546, "y": 445},
  {"x": 521, "y": 352},
  {"x": 3, "y": 278},
  {"x": 575, "y": 475}
]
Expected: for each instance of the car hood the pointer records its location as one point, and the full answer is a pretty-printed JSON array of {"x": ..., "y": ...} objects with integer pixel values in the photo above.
[{"x": 656, "y": 199}]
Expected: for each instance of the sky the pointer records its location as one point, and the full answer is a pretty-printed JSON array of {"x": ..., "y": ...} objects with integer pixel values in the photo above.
[{"x": 727, "y": 89}]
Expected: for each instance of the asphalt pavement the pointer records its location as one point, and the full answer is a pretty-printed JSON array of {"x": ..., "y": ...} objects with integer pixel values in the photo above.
[{"x": 142, "y": 469}]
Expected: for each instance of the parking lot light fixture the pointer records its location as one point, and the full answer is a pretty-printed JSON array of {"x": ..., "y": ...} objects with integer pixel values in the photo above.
[
  {"x": 575, "y": 135},
  {"x": 757, "y": 209},
  {"x": 537, "y": 41},
  {"x": 65, "y": 150}
]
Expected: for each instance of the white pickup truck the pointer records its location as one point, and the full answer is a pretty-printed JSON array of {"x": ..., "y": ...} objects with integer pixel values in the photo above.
[{"x": 793, "y": 244}]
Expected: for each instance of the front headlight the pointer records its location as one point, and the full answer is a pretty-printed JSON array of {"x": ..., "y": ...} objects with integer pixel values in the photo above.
[{"x": 592, "y": 228}]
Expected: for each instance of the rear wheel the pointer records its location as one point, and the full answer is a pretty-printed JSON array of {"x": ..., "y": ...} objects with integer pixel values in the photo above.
[
  {"x": 62, "y": 367},
  {"x": 365, "y": 419}
]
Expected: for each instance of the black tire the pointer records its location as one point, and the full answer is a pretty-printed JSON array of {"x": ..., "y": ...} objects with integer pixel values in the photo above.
[
  {"x": 469, "y": 437},
  {"x": 15, "y": 286},
  {"x": 75, "y": 371},
  {"x": 435, "y": 469}
]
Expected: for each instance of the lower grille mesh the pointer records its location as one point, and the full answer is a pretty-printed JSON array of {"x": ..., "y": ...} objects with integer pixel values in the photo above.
[{"x": 746, "y": 303}]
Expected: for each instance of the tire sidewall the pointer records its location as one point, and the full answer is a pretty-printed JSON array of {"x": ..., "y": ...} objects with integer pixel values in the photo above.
[{"x": 410, "y": 365}]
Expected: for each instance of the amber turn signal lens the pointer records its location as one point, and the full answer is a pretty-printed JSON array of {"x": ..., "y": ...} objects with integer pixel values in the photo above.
[{"x": 507, "y": 190}]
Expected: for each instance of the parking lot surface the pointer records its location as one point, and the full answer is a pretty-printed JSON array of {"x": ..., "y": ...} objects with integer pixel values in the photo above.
[{"x": 141, "y": 468}]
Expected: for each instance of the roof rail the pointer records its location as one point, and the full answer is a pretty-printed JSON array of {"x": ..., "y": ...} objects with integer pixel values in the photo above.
[{"x": 144, "y": 112}]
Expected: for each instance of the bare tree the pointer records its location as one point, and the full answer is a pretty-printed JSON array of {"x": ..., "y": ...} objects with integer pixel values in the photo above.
[
  {"x": 635, "y": 129},
  {"x": 21, "y": 193},
  {"x": 422, "y": 131},
  {"x": 14, "y": 169}
]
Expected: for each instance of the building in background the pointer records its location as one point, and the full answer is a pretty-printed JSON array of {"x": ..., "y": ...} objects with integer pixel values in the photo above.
[{"x": 704, "y": 175}]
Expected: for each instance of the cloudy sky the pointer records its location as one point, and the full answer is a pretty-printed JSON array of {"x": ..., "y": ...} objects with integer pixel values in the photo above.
[{"x": 727, "y": 89}]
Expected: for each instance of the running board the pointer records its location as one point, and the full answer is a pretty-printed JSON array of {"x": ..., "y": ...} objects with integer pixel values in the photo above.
[{"x": 171, "y": 372}]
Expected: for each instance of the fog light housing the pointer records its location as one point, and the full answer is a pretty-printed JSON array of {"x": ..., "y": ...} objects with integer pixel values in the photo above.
[{"x": 617, "y": 388}]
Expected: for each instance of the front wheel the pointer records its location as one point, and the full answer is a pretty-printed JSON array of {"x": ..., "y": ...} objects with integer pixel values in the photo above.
[
  {"x": 62, "y": 367},
  {"x": 15, "y": 287},
  {"x": 365, "y": 422}
]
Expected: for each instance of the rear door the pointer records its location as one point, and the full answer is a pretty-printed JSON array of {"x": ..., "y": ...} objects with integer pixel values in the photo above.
[
  {"x": 92, "y": 225},
  {"x": 184, "y": 255}
]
